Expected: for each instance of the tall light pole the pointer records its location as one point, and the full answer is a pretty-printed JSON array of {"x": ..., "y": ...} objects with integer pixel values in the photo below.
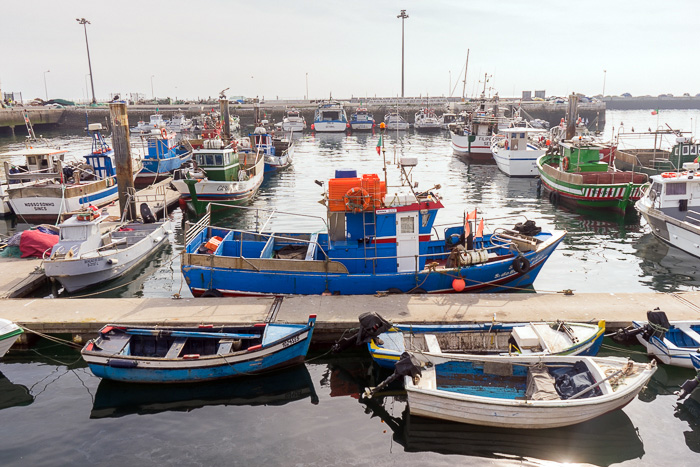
[
  {"x": 153, "y": 96},
  {"x": 403, "y": 17},
  {"x": 46, "y": 91},
  {"x": 605, "y": 72},
  {"x": 85, "y": 22},
  {"x": 307, "y": 86}
]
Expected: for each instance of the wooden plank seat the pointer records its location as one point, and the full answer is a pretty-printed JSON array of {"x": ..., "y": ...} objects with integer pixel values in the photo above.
[{"x": 176, "y": 348}]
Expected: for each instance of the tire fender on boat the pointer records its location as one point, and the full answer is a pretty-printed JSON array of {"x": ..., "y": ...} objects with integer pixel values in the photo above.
[
  {"x": 521, "y": 264},
  {"x": 212, "y": 293}
]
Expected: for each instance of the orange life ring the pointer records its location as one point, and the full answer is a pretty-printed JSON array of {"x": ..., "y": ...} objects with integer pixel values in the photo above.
[
  {"x": 565, "y": 163},
  {"x": 669, "y": 175},
  {"x": 164, "y": 132},
  {"x": 356, "y": 199}
]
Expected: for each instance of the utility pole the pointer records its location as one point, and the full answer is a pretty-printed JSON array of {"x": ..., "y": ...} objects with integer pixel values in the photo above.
[
  {"x": 605, "y": 73},
  {"x": 403, "y": 17},
  {"x": 153, "y": 96},
  {"x": 46, "y": 90},
  {"x": 85, "y": 22},
  {"x": 307, "y": 86}
]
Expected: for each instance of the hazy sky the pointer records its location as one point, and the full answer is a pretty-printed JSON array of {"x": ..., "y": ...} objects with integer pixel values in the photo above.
[{"x": 265, "y": 48}]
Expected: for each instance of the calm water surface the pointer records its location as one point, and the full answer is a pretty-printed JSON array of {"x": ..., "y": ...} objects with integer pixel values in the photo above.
[{"x": 59, "y": 413}]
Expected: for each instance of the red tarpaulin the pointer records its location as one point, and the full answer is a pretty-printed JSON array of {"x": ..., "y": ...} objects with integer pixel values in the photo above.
[{"x": 35, "y": 243}]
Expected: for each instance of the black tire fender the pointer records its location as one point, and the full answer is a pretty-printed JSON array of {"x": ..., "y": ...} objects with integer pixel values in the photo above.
[
  {"x": 521, "y": 264},
  {"x": 212, "y": 293}
]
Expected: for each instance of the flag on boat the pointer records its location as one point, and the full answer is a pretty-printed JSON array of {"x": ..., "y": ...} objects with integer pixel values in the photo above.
[
  {"x": 480, "y": 230},
  {"x": 655, "y": 112},
  {"x": 468, "y": 217},
  {"x": 379, "y": 145}
]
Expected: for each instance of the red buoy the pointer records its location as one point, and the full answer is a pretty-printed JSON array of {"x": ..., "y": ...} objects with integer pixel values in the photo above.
[
  {"x": 312, "y": 126},
  {"x": 458, "y": 285}
]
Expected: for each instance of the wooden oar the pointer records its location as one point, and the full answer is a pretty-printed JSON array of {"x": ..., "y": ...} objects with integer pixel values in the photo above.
[{"x": 206, "y": 335}]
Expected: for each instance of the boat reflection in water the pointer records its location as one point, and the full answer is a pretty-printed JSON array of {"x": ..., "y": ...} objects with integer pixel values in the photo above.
[
  {"x": 13, "y": 395},
  {"x": 665, "y": 268},
  {"x": 607, "y": 440},
  {"x": 114, "y": 399}
]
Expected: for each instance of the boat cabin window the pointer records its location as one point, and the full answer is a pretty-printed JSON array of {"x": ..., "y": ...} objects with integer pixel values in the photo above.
[
  {"x": 77, "y": 233},
  {"x": 330, "y": 115},
  {"x": 686, "y": 150},
  {"x": 407, "y": 225},
  {"x": 31, "y": 160},
  {"x": 693, "y": 150},
  {"x": 675, "y": 188},
  {"x": 210, "y": 159},
  {"x": 656, "y": 188}
]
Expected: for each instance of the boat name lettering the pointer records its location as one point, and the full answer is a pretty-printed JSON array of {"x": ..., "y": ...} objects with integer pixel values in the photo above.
[
  {"x": 221, "y": 188},
  {"x": 91, "y": 262},
  {"x": 385, "y": 211},
  {"x": 291, "y": 341},
  {"x": 39, "y": 206}
]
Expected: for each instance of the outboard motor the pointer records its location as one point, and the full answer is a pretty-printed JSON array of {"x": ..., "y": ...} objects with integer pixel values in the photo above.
[
  {"x": 371, "y": 325},
  {"x": 657, "y": 324},
  {"x": 407, "y": 365},
  {"x": 146, "y": 214},
  {"x": 687, "y": 388}
]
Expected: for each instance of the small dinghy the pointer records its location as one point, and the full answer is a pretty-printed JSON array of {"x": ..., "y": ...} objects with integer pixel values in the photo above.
[
  {"x": 539, "y": 338},
  {"x": 529, "y": 392},
  {"x": 672, "y": 342},
  {"x": 192, "y": 354}
]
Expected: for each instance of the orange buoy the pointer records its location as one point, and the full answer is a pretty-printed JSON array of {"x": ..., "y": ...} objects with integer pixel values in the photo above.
[
  {"x": 312, "y": 126},
  {"x": 458, "y": 285}
]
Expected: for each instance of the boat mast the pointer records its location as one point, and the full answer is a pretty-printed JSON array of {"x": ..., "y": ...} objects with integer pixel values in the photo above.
[{"x": 464, "y": 86}]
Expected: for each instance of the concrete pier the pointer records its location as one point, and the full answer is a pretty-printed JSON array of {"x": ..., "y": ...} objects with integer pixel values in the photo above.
[
  {"x": 336, "y": 314},
  {"x": 20, "y": 277}
]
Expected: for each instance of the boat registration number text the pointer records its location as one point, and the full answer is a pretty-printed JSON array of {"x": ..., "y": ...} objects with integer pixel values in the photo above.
[{"x": 291, "y": 341}]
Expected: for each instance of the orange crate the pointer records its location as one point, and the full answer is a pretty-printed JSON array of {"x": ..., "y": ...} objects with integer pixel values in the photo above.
[{"x": 337, "y": 187}]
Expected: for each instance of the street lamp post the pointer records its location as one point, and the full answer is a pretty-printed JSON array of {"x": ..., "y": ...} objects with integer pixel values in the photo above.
[
  {"x": 46, "y": 90},
  {"x": 153, "y": 96},
  {"x": 307, "y": 86},
  {"x": 605, "y": 72},
  {"x": 403, "y": 17},
  {"x": 85, "y": 22}
]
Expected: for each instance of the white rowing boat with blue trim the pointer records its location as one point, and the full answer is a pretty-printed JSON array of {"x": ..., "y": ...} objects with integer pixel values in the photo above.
[
  {"x": 525, "y": 392},
  {"x": 671, "y": 342},
  {"x": 538, "y": 338},
  {"x": 192, "y": 354}
]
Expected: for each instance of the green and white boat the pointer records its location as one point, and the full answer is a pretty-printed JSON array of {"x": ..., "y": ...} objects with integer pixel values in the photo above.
[
  {"x": 655, "y": 160},
  {"x": 221, "y": 175},
  {"x": 574, "y": 175},
  {"x": 9, "y": 333}
]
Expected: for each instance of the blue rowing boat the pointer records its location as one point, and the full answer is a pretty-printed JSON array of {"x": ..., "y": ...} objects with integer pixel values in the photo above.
[{"x": 181, "y": 355}]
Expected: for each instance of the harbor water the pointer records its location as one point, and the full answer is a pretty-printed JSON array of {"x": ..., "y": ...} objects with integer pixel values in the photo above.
[{"x": 56, "y": 412}]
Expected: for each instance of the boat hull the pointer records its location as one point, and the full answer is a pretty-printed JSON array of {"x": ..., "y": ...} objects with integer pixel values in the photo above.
[
  {"x": 672, "y": 231},
  {"x": 330, "y": 127},
  {"x": 495, "y": 405},
  {"x": 76, "y": 274},
  {"x": 387, "y": 355},
  {"x": 9, "y": 333},
  {"x": 517, "y": 163},
  {"x": 280, "y": 354},
  {"x": 229, "y": 281},
  {"x": 614, "y": 196},
  {"x": 665, "y": 350},
  {"x": 361, "y": 126},
  {"x": 478, "y": 150}
]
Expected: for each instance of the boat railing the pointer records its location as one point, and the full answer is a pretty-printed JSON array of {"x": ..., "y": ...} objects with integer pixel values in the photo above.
[{"x": 271, "y": 212}]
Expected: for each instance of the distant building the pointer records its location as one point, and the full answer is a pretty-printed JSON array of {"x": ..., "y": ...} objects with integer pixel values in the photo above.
[
  {"x": 540, "y": 94},
  {"x": 527, "y": 95}
]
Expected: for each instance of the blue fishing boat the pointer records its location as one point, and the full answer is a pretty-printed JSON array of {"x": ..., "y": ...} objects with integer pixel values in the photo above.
[
  {"x": 163, "y": 156},
  {"x": 372, "y": 243},
  {"x": 537, "y": 338},
  {"x": 182, "y": 355},
  {"x": 362, "y": 119},
  {"x": 278, "y": 153}
]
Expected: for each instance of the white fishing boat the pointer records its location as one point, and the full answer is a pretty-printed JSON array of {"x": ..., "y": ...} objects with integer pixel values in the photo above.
[
  {"x": 516, "y": 151},
  {"x": 94, "y": 248},
  {"x": 426, "y": 120},
  {"x": 235, "y": 122},
  {"x": 9, "y": 333},
  {"x": 524, "y": 392},
  {"x": 293, "y": 121},
  {"x": 155, "y": 121},
  {"x": 178, "y": 123},
  {"x": 330, "y": 117},
  {"x": 46, "y": 186},
  {"x": 671, "y": 207},
  {"x": 448, "y": 119},
  {"x": 394, "y": 121}
]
